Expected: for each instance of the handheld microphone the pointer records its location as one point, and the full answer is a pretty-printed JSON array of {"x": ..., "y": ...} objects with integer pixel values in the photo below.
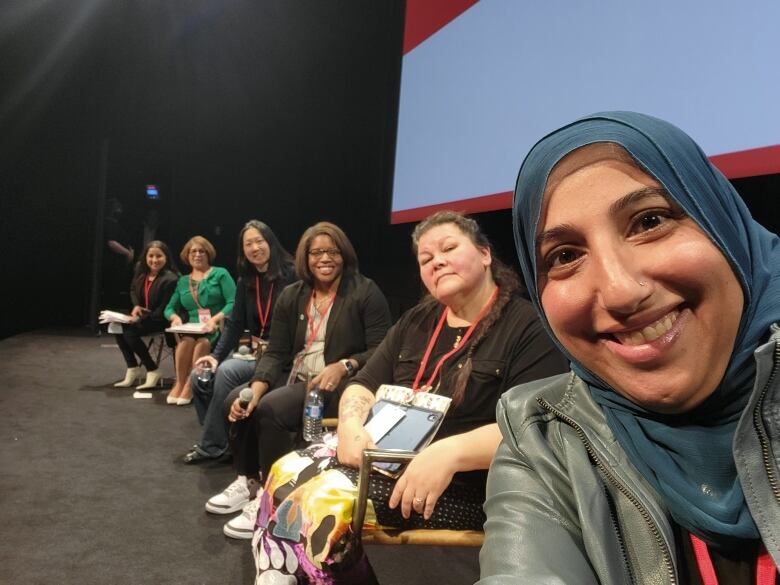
[{"x": 245, "y": 397}]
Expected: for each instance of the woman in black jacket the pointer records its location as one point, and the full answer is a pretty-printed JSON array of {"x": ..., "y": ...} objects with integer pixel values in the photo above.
[
  {"x": 151, "y": 288},
  {"x": 265, "y": 268},
  {"x": 325, "y": 328}
]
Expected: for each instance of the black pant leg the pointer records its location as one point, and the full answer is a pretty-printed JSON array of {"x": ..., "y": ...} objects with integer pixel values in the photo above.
[
  {"x": 132, "y": 335},
  {"x": 242, "y": 438},
  {"x": 127, "y": 352},
  {"x": 280, "y": 415}
]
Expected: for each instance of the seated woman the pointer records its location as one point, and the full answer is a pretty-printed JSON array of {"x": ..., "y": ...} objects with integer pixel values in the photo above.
[
  {"x": 152, "y": 287},
  {"x": 264, "y": 269},
  {"x": 206, "y": 294},
  {"x": 325, "y": 328},
  {"x": 651, "y": 462},
  {"x": 471, "y": 339}
]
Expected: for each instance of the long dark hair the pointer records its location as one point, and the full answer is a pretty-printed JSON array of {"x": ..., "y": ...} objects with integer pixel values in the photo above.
[
  {"x": 340, "y": 239},
  {"x": 505, "y": 278},
  {"x": 142, "y": 268},
  {"x": 280, "y": 262}
]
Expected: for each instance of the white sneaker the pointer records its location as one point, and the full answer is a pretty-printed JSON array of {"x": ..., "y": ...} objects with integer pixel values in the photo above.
[
  {"x": 243, "y": 526},
  {"x": 233, "y": 499}
]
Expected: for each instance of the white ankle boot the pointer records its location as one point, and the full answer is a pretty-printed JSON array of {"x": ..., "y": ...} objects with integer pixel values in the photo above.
[
  {"x": 153, "y": 378},
  {"x": 131, "y": 377}
]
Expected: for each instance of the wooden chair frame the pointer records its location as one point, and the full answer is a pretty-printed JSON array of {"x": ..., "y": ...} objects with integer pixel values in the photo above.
[
  {"x": 470, "y": 538},
  {"x": 421, "y": 536}
]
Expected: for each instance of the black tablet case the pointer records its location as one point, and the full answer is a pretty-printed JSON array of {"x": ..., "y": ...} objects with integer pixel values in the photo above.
[{"x": 411, "y": 433}]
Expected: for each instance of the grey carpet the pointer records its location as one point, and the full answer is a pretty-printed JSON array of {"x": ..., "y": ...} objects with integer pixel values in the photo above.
[{"x": 92, "y": 490}]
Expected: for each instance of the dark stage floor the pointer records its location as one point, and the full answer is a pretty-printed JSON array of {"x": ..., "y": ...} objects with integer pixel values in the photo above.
[{"x": 92, "y": 490}]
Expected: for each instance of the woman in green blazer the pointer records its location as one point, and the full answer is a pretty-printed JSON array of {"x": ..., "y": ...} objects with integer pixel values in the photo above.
[{"x": 205, "y": 295}]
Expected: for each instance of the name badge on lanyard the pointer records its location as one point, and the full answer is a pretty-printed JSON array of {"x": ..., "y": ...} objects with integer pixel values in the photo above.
[{"x": 204, "y": 315}]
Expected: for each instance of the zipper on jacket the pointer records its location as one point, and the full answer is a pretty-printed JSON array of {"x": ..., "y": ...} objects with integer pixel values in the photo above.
[
  {"x": 758, "y": 424},
  {"x": 667, "y": 556},
  {"x": 618, "y": 533}
]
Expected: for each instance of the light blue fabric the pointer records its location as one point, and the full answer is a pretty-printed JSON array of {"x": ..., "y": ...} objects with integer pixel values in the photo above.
[{"x": 687, "y": 458}]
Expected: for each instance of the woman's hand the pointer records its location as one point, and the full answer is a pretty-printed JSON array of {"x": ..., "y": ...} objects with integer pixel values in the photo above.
[
  {"x": 212, "y": 324},
  {"x": 431, "y": 471},
  {"x": 330, "y": 377},
  {"x": 136, "y": 313},
  {"x": 424, "y": 480},
  {"x": 209, "y": 360},
  {"x": 175, "y": 320},
  {"x": 237, "y": 413},
  {"x": 353, "y": 440}
]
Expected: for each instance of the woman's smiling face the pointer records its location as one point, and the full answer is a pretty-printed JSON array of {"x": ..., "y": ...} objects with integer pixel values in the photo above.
[
  {"x": 631, "y": 286},
  {"x": 256, "y": 249}
]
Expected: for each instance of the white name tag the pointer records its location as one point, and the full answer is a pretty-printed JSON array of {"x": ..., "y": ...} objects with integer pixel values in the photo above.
[{"x": 383, "y": 421}]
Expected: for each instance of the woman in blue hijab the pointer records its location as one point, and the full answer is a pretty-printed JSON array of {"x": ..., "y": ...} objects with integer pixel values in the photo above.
[{"x": 656, "y": 459}]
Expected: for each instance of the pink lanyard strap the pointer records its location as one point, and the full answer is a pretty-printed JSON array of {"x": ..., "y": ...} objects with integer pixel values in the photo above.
[
  {"x": 435, "y": 336},
  {"x": 263, "y": 317},
  {"x": 147, "y": 287},
  {"x": 313, "y": 331},
  {"x": 766, "y": 574}
]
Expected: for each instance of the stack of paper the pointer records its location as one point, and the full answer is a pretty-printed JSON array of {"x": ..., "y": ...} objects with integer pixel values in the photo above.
[
  {"x": 114, "y": 317},
  {"x": 188, "y": 328}
]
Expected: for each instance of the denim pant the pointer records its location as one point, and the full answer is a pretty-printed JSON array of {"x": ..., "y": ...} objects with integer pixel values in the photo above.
[{"x": 209, "y": 398}]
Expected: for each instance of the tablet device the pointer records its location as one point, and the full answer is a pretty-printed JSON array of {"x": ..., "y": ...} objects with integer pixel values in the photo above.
[{"x": 412, "y": 432}]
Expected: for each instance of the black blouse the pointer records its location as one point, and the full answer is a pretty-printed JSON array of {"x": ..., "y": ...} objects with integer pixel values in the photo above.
[
  {"x": 732, "y": 567},
  {"x": 245, "y": 314},
  {"x": 515, "y": 350}
]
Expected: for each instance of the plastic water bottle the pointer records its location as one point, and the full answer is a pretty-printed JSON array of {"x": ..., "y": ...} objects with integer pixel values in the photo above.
[{"x": 312, "y": 415}]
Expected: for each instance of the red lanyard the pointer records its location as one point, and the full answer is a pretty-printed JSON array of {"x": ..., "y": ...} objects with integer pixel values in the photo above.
[
  {"x": 314, "y": 330},
  {"x": 194, "y": 293},
  {"x": 766, "y": 573},
  {"x": 147, "y": 287},
  {"x": 263, "y": 316},
  {"x": 435, "y": 336}
]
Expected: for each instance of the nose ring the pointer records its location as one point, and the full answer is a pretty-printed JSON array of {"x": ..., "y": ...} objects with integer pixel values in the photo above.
[{"x": 641, "y": 283}]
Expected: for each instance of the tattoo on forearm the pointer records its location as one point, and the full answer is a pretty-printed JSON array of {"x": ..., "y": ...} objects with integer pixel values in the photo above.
[{"x": 354, "y": 406}]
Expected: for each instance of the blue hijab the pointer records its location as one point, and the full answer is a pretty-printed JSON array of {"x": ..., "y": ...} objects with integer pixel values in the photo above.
[{"x": 686, "y": 457}]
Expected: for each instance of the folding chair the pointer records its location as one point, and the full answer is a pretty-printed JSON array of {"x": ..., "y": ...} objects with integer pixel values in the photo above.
[{"x": 161, "y": 346}]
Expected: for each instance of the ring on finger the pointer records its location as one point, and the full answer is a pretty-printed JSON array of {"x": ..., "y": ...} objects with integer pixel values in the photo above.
[{"x": 419, "y": 500}]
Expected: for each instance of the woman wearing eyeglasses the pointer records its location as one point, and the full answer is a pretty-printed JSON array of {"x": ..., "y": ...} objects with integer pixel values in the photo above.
[
  {"x": 206, "y": 295},
  {"x": 324, "y": 329}
]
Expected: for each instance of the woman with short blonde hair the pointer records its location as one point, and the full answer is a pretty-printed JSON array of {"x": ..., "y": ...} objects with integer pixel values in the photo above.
[{"x": 205, "y": 295}]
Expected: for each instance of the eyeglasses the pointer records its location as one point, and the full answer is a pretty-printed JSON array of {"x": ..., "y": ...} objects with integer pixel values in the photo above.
[
  {"x": 196, "y": 252},
  {"x": 318, "y": 252}
]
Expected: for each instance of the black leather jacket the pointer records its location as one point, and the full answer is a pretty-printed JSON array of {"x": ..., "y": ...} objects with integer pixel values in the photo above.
[{"x": 565, "y": 505}]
